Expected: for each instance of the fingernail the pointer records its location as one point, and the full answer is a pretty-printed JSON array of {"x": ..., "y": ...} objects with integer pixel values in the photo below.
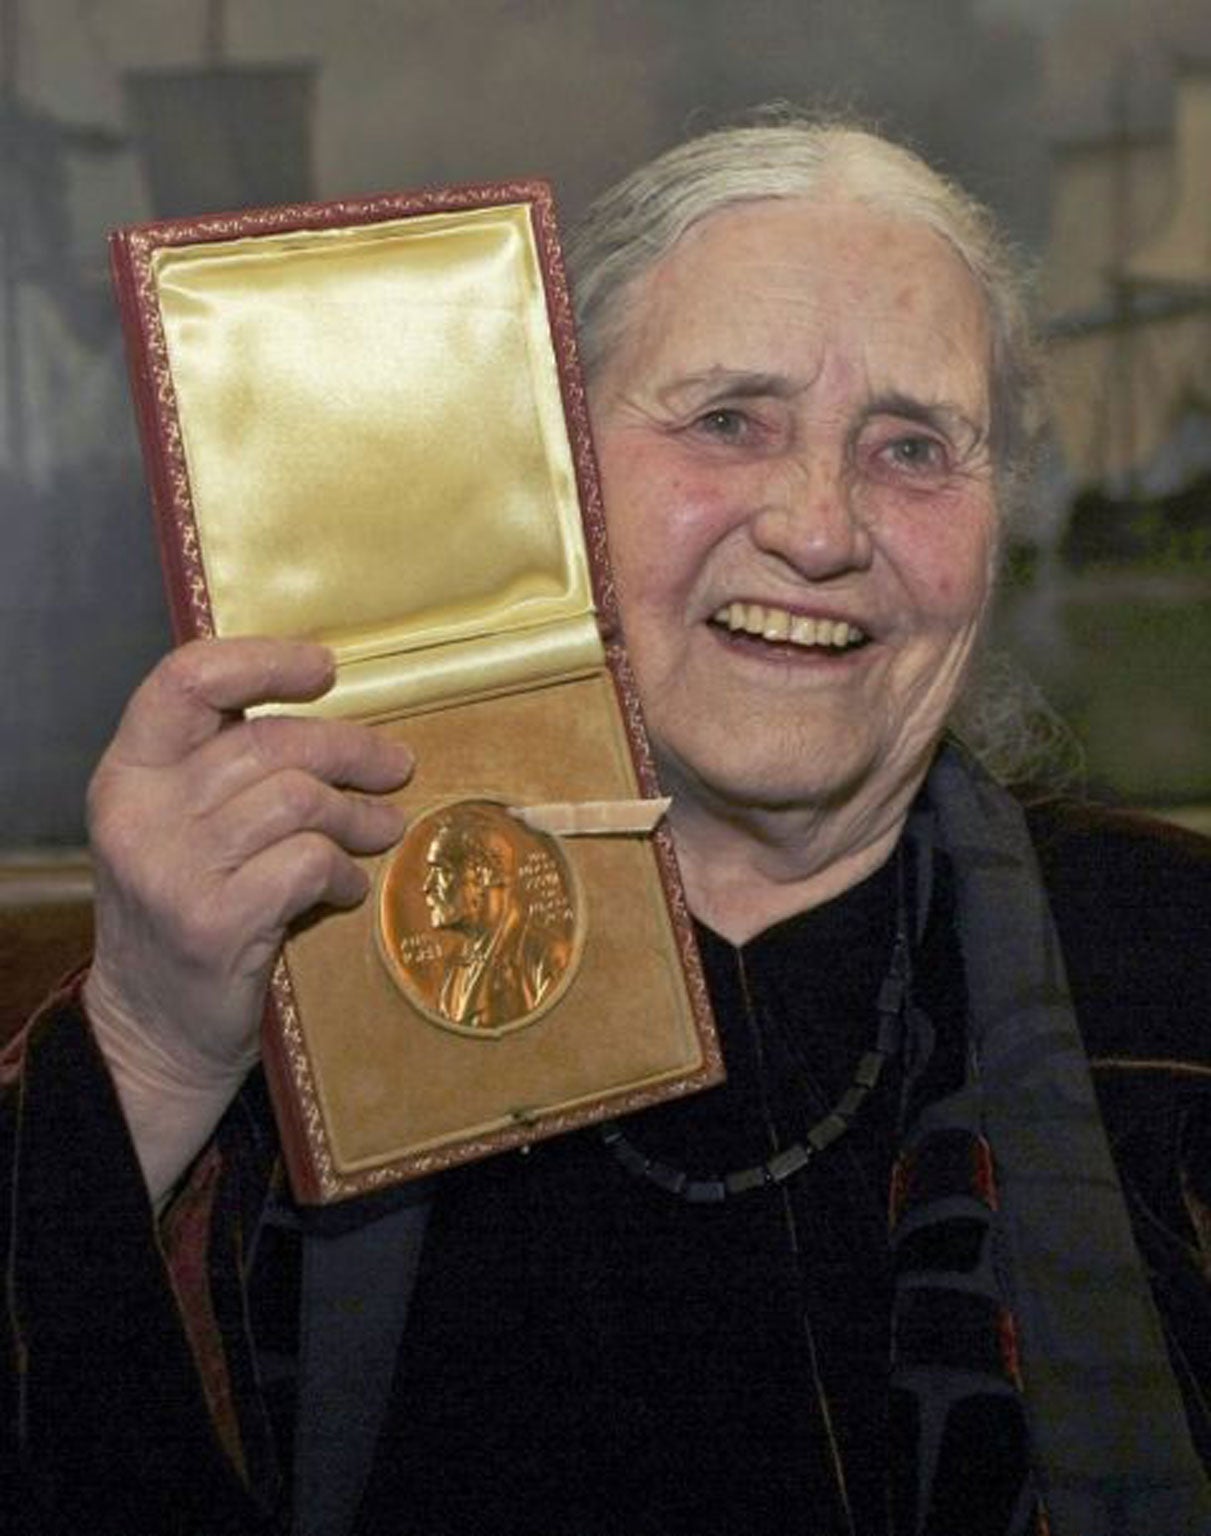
[{"x": 404, "y": 756}]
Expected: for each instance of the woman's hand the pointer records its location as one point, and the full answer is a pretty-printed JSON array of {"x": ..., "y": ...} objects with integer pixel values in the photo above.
[{"x": 210, "y": 834}]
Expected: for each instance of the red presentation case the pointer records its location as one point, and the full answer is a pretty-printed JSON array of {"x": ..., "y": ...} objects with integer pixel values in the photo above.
[{"x": 364, "y": 422}]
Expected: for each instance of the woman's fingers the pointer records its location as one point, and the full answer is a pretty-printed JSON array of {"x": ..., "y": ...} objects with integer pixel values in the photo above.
[
  {"x": 335, "y": 751},
  {"x": 193, "y": 810},
  {"x": 196, "y": 691},
  {"x": 291, "y": 877},
  {"x": 293, "y": 801}
]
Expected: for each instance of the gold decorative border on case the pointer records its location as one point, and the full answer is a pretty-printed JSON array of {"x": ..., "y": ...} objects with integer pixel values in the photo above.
[
  {"x": 298, "y": 1064},
  {"x": 180, "y": 510},
  {"x": 562, "y": 316}
]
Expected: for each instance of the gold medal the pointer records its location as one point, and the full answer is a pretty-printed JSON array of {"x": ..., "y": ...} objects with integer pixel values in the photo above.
[{"x": 480, "y": 920}]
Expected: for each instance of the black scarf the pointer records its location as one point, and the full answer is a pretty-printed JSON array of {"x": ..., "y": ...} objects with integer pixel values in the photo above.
[{"x": 1076, "y": 1323}]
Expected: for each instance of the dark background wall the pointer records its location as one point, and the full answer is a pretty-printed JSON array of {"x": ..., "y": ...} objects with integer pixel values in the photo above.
[{"x": 375, "y": 95}]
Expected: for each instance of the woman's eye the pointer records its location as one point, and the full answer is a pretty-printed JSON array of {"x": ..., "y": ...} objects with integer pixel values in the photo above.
[
  {"x": 724, "y": 424},
  {"x": 917, "y": 453}
]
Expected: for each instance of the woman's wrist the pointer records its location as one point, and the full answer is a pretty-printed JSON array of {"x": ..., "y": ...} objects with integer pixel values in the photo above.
[{"x": 171, "y": 1100}]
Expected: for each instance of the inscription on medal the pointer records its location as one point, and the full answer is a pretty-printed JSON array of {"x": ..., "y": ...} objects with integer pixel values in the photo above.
[{"x": 480, "y": 921}]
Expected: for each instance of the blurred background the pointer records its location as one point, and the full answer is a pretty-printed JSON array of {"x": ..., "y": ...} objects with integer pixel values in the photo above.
[{"x": 1085, "y": 123}]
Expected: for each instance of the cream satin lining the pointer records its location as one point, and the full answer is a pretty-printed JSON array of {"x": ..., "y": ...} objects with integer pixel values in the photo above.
[
  {"x": 377, "y": 452},
  {"x": 386, "y": 686}
]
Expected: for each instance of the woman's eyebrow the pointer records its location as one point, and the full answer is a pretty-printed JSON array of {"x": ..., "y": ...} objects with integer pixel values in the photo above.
[
  {"x": 942, "y": 415},
  {"x": 729, "y": 384}
]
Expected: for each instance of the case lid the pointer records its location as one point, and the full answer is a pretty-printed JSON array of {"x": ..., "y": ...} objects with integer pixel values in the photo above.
[{"x": 374, "y": 435}]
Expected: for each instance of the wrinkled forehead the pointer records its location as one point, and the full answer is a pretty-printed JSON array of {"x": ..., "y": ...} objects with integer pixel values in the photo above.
[{"x": 770, "y": 285}]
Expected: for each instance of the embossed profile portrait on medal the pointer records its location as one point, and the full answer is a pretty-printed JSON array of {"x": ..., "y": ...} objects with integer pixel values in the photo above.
[{"x": 479, "y": 918}]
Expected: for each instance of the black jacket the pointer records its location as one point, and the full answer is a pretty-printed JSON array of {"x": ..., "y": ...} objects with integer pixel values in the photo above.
[{"x": 107, "y": 1423}]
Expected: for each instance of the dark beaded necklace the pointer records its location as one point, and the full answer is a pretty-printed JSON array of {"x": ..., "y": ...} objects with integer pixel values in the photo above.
[{"x": 891, "y": 1006}]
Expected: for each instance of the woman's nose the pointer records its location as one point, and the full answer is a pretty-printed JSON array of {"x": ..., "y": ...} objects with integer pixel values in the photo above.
[{"x": 810, "y": 517}]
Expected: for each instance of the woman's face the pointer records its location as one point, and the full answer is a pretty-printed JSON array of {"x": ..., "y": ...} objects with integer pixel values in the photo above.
[{"x": 793, "y": 436}]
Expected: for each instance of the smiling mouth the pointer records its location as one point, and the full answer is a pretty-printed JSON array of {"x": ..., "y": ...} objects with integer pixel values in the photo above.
[{"x": 780, "y": 627}]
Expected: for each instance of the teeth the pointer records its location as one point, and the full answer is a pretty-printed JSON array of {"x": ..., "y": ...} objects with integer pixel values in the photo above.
[{"x": 777, "y": 625}]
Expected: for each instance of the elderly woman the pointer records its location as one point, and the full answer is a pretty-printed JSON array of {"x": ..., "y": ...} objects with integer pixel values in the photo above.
[{"x": 810, "y": 386}]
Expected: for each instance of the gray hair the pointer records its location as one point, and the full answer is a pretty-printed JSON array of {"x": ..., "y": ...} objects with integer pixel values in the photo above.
[{"x": 785, "y": 154}]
